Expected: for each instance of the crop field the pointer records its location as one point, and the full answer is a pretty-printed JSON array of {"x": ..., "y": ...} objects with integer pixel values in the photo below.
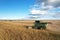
[{"x": 16, "y": 30}]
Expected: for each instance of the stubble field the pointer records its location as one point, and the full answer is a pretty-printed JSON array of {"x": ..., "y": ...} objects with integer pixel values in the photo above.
[{"x": 16, "y": 30}]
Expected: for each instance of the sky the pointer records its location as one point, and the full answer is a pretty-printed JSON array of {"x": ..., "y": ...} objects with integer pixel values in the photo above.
[
  {"x": 46, "y": 9},
  {"x": 15, "y": 9},
  {"x": 30, "y": 9}
]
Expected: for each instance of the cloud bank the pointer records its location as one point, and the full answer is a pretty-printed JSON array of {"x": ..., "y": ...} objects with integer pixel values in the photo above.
[{"x": 49, "y": 8}]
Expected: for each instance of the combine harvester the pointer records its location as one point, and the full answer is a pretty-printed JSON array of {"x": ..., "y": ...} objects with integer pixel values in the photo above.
[{"x": 38, "y": 25}]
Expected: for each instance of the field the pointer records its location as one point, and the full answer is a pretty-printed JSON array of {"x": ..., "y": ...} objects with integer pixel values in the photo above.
[{"x": 16, "y": 30}]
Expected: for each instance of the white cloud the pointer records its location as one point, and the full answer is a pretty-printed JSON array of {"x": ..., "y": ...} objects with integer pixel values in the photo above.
[
  {"x": 33, "y": 11},
  {"x": 55, "y": 3},
  {"x": 57, "y": 15},
  {"x": 46, "y": 8},
  {"x": 50, "y": 7},
  {"x": 52, "y": 0}
]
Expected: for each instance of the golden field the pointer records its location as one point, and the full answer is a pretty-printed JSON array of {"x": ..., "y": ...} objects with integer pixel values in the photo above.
[{"x": 16, "y": 30}]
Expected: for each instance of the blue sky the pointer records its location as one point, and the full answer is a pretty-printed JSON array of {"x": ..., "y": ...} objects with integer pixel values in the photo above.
[
  {"x": 15, "y": 9},
  {"x": 20, "y": 9}
]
